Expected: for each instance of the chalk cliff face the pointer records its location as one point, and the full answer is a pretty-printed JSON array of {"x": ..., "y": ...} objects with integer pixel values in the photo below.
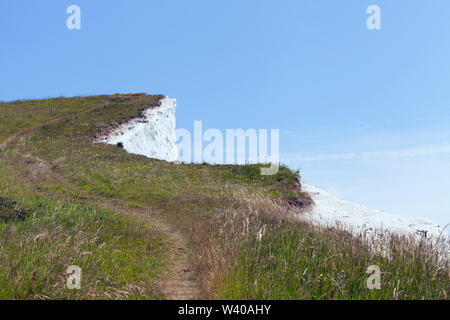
[
  {"x": 331, "y": 211},
  {"x": 152, "y": 136}
]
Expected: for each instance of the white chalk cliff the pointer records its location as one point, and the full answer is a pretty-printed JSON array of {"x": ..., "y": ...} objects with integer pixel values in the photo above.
[
  {"x": 152, "y": 136},
  {"x": 331, "y": 211}
]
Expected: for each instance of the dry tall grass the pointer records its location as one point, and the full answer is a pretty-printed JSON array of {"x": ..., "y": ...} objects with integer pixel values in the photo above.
[{"x": 258, "y": 248}]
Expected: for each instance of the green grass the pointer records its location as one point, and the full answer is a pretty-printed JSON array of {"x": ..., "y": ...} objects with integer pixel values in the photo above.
[
  {"x": 21, "y": 114},
  {"x": 293, "y": 261},
  {"x": 220, "y": 209},
  {"x": 119, "y": 257}
]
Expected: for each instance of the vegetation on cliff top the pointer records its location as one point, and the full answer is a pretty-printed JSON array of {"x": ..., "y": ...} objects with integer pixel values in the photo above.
[{"x": 68, "y": 201}]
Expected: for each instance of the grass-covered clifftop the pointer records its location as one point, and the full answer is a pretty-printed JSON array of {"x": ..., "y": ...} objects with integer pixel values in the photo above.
[{"x": 143, "y": 228}]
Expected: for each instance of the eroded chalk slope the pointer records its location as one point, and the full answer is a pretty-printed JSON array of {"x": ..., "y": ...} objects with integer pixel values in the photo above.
[{"x": 152, "y": 135}]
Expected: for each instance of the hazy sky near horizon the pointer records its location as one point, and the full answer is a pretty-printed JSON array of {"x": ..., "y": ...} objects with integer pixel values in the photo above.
[{"x": 364, "y": 114}]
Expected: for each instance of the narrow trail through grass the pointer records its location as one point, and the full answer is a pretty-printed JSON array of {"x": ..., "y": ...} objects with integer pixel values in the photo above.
[{"x": 178, "y": 281}]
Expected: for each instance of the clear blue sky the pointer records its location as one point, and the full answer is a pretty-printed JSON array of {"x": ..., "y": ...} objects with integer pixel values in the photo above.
[{"x": 364, "y": 114}]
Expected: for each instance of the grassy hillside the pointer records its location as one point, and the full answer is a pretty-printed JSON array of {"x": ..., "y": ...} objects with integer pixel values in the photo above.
[{"x": 143, "y": 228}]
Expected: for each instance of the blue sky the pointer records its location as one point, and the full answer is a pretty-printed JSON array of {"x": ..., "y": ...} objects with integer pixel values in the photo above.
[{"x": 363, "y": 113}]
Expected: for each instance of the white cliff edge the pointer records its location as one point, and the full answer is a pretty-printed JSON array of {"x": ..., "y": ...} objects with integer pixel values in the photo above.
[
  {"x": 152, "y": 136},
  {"x": 331, "y": 211}
]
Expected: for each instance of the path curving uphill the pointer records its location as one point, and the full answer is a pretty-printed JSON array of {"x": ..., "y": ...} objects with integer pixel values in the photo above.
[{"x": 177, "y": 283}]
